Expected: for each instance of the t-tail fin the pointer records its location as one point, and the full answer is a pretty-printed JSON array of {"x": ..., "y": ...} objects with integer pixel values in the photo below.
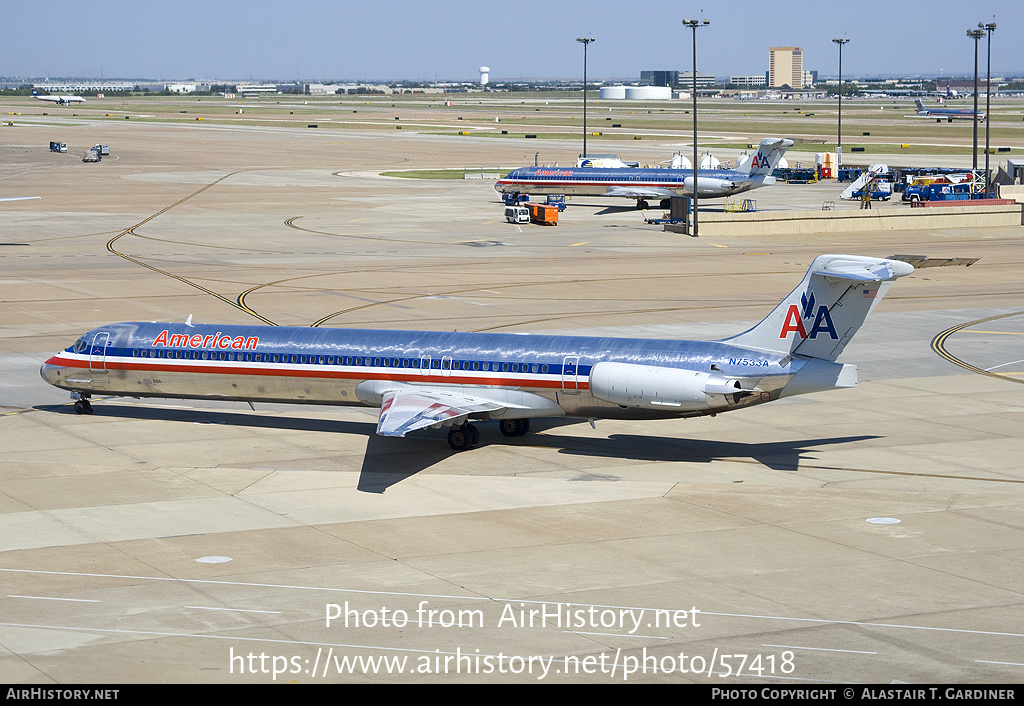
[
  {"x": 769, "y": 152},
  {"x": 920, "y": 105},
  {"x": 821, "y": 315}
]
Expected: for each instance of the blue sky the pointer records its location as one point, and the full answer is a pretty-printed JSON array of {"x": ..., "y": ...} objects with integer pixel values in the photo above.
[{"x": 405, "y": 39}]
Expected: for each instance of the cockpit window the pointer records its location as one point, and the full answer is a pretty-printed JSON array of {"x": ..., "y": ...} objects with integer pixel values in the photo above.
[{"x": 80, "y": 345}]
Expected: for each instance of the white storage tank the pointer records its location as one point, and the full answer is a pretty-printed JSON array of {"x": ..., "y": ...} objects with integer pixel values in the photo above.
[
  {"x": 613, "y": 93},
  {"x": 644, "y": 93}
]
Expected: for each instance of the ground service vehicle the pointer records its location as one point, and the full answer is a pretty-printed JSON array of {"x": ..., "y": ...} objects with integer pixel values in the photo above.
[
  {"x": 543, "y": 214},
  {"x": 517, "y": 214},
  {"x": 937, "y": 192}
]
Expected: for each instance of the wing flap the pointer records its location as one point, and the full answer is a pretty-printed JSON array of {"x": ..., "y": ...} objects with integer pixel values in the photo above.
[
  {"x": 404, "y": 411},
  {"x": 634, "y": 192}
]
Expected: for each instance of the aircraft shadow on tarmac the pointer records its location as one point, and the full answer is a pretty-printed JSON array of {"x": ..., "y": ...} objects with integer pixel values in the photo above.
[
  {"x": 608, "y": 210},
  {"x": 653, "y": 211},
  {"x": 206, "y": 416},
  {"x": 776, "y": 455},
  {"x": 387, "y": 461}
]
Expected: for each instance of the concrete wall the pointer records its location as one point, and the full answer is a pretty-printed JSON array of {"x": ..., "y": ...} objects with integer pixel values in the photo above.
[
  {"x": 789, "y": 222},
  {"x": 1013, "y": 191}
]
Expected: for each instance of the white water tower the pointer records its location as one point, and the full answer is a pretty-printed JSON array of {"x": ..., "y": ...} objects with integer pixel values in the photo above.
[{"x": 485, "y": 75}]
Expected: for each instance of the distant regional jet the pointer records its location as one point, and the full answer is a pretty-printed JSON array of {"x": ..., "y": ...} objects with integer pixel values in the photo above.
[
  {"x": 59, "y": 100},
  {"x": 423, "y": 379},
  {"x": 643, "y": 184},
  {"x": 947, "y": 114}
]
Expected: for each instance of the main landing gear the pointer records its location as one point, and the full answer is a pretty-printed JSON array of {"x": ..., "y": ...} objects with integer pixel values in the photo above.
[
  {"x": 463, "y": 437},
  {"x": 514, "y": 427},
  {"x": 466, "y": 436}
]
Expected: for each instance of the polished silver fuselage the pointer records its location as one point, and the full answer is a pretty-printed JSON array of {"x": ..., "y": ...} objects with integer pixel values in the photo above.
[{"x": 344, "y": 366}]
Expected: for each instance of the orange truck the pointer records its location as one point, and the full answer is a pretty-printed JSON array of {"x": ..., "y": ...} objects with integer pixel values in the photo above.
[{"x": 543, "y": 214}]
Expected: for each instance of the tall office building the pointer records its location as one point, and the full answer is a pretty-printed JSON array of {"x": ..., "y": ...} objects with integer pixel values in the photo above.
[
  {"x": 659, "y": 78},
  {"x": 786, "y": 67}
]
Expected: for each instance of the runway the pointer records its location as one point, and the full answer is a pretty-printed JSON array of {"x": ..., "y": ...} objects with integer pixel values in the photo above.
[{"x": 867, "y": 535}]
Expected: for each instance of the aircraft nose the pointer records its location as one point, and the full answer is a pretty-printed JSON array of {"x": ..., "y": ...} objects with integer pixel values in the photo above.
[{"x": 50, "y": 373}]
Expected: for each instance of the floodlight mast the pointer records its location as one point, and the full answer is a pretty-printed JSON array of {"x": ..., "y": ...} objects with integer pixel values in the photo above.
[
  {"x": 693, "y": 24},
  {"x": 975, "y": 34},
  {"x": 989, "y": 28},
  {"x": 586, "y": 42},
  {"x": 839, "y": 146}
]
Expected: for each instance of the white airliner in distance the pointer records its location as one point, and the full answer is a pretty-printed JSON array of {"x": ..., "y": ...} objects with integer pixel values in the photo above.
[
  {"x": 642, "y": 184},
  {"x": 59, "y": 100},
  {"x": 947, "y": 114},
  {"x": 423, "y": 379}
]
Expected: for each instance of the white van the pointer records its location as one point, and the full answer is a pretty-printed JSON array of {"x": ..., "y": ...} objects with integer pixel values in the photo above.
[{"x": 517, "y": 214}]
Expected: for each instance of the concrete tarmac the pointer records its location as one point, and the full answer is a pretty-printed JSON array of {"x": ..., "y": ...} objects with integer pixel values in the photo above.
[{"x": 868, "y": 535}]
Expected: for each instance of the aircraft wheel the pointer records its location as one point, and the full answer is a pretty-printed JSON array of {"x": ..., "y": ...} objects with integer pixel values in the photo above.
[
  {"x": 665, "y": 203},
  {"x": 641, "y": 205},
  {"x": 514, "y": 427},
  {"x": 83, "y": 407},
  {"x": 463, "y": 437}
]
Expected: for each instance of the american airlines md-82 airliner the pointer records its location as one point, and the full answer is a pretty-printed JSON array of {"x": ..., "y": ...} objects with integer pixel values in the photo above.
[
  {"x": 642, "y": 183},
  {"x": 947, "y": 114},
  {"x": 425, "y": 379}
]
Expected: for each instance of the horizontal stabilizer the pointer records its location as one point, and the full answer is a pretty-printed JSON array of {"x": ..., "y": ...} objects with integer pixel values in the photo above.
[{"x": 863, "y": 269}]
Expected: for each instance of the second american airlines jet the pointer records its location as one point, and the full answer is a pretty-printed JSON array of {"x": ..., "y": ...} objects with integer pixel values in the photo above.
[
  {"x": 947, "y": 114},
  {"x": 643, "y": 184},
  {"x": 425, "y": 379}
]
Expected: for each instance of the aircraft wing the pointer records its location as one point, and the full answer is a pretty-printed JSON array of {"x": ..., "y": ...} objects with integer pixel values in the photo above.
[
  {"x": 404, "y": 411},
  {"x": 635, "y": 192}
]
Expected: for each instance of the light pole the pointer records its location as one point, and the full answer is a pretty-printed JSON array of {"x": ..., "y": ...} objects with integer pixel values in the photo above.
[
  {"x": 693, "y": 24},
  {"x": 839, "y": 147},
  {"x": 989, "y": 28},
  {"x": 585, "y": 41},
  {"x": 975, "y": 34}
]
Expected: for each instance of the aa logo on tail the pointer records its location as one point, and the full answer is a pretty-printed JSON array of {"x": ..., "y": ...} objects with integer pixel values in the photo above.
[{"x": 796, "y": 315}]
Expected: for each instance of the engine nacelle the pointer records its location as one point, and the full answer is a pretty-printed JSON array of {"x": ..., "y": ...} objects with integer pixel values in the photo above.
[
  {"x": 652, "y": 387},
  {"x": 711, "y": 186}
]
